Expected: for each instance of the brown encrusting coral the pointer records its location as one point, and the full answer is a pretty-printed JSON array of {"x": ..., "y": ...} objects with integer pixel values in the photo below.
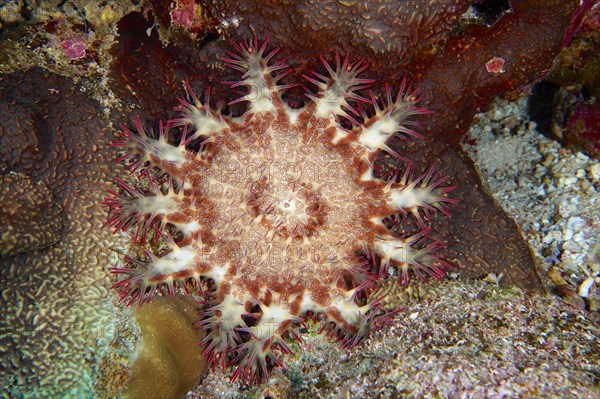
[
  {"x": 397, "y": 29},
  {"x": 449, "y": 66},
  {"x": 432, "y": 42}
]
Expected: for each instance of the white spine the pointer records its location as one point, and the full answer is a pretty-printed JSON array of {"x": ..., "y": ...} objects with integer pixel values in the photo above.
[
  {"x": 394, "y": 249},
  {"x": 412, "y": 197}
]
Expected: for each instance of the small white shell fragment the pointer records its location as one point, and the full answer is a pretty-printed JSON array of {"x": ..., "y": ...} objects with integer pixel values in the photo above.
[
  {"x": 576, "y": 223},
  {"x": 493, "y": 278},
  {"x": 586, "y": 287}
]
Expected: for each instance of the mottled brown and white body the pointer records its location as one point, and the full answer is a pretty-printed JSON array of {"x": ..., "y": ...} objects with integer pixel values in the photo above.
[{"x": 278, "y": 215}]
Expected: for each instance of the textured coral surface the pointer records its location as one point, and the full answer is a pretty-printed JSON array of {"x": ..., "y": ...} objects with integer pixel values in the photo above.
[
  {"x": 32, "y": 222},
  {"x": 56, "y": 317},
  {"x": 168, "y": 363},
  {"x": 276, "y": 215}
]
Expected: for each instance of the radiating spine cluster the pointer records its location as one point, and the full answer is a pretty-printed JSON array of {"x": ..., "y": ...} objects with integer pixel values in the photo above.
[{"x": 276, "y": 216}]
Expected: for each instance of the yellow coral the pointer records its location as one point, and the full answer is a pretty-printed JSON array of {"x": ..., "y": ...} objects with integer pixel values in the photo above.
[{"x": 170, "y": 362}]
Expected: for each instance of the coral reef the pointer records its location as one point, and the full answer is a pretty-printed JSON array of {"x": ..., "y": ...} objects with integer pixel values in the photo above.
[
  {"x": 573, "y": 115},
  {"x": 39, "y": 139},
  {"x": 276, "y": 215},
  {"x": 57, "y": 320},
  {"x": 455, "y": 90},
  {"x": 92, "y": 12},
  {"x": 69, "y": 38},
  {"x": 31, "y": 221}
]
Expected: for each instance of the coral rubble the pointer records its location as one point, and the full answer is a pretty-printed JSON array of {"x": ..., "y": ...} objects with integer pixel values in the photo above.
[
  {"x": 471, "y": 340},
  {"x": 552, "y": 193}
]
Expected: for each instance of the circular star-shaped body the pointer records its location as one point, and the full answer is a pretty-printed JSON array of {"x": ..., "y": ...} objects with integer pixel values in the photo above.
[{"x": 276, "y": 214}]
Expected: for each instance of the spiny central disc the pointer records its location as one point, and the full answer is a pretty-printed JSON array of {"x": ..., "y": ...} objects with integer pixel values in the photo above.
[{"x": 289, "y": 209}]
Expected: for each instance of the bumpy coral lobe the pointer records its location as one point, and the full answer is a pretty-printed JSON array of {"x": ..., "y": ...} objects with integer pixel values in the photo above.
[
  {"x": 365, "y": 27},
  {"x": 276, "y": 214},
  {"x": 421, "y": 38},
  {"x": 53, "y": 147}
]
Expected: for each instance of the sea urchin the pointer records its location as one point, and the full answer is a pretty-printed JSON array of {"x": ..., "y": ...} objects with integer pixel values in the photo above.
[{"x": 276, "y": 215}]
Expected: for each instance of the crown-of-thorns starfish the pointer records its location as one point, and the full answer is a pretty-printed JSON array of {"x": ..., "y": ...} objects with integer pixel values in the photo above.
[{"x": 276, "y": 215}]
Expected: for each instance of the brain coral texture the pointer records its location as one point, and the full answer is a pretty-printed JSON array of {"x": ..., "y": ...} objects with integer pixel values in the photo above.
[{"x": 276, "y": 216}]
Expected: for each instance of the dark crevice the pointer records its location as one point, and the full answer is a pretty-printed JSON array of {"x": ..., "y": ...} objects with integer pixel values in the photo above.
[
  {"x": 490, "y": 11},
  {"x": 541, "y": 106}
]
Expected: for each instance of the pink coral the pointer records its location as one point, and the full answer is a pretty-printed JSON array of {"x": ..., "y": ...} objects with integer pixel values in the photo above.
[
  {"x": 184, "y": 13},
  {"x": 74, "y": 48},
  {"x": 276, "y": 215}
]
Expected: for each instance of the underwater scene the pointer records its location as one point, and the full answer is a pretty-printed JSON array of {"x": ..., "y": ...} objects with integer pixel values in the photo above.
[{"x": 299, "y": 199}]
